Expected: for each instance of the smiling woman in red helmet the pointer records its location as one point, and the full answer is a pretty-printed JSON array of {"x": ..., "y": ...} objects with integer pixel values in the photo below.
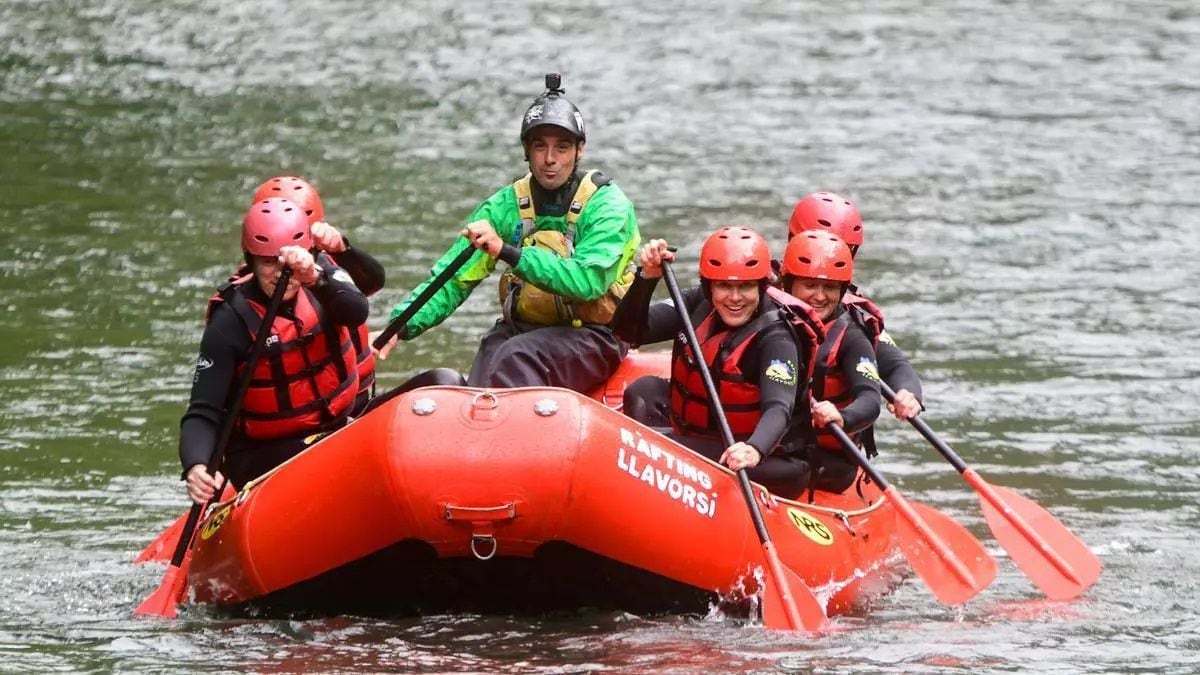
[
  {"x": 306, "y": 380},
  {"x": 748, "y": 345},
  {"x": 827, "y": 212},
  {"x": 817, "y": 269}
]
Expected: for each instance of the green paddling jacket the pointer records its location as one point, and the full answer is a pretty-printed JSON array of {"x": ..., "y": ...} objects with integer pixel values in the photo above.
[{"x": 606, "y": 239}]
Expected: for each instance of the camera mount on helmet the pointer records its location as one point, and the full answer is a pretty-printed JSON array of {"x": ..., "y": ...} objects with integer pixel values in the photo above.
[{"x": 551, "y": 108}]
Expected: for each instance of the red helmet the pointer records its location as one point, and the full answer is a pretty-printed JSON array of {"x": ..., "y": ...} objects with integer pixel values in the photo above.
[
  {"x": 295, "y": 190},
  {"x": 735, "y": 254},
  {"x": 818, "y": 255},
  {"x": 829, "y": 212},
  {"x": 271, "y": 224}
]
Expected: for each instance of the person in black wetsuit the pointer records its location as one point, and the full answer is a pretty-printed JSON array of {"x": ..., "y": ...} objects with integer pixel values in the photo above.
[
  {"x": 748, "y": 346},
  {"x": 817, "y": 269},
  {"x": 306, "y": 380},
  {"x": 368, "y": 275},
  {"x": 825, "y": 211}
]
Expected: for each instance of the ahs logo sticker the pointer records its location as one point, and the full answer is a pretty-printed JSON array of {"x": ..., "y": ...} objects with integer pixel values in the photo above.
[
  {"x": 866, "y": 368},
  {"x": 202, "y": 363}
]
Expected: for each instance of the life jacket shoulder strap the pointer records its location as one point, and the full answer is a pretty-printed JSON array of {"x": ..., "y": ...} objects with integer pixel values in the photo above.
[
  {"x": 867, "y": 314},
  {"x": 827, "y": 353},
  {"x": 807, "y": 327},
  {"x": 226, "y": 291},
  {"x": 588, "y": 185},
  {"x": 525, "y": 210}
]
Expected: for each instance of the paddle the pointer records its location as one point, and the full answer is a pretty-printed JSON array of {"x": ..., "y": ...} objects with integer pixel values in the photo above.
[
  {"x": 157, "y": 549},
  {"x": 163, "y": 601},
  {"x": 787, "y": 601},
  {"x": 948, "y": 558},
  {"x": 395, "y": 325},
  {"x": 160, "y": 549},
  {"x": 1054, "y": 559}
]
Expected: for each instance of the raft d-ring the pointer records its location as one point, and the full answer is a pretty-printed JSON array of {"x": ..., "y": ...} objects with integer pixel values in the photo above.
[
  {"x": 477, "y": 539},
  {"x": 485, "y": 394},
  {"x": 615, "y": 406}
]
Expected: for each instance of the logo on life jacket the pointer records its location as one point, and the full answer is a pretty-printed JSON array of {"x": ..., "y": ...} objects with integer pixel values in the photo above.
[
  {"x": 886, "y": 338},
  {"x": 203, "y": 363}
]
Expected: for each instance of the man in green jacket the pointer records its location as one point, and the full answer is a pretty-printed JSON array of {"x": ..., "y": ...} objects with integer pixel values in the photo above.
[{"x": 569, "y": 238}]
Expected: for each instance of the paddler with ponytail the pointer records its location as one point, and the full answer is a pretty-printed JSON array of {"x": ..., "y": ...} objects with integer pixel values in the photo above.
[
  {"x": 758, "y": 352},
  {"x": 306, "y": 380},
  {"x": 828, "y": 212},
  {"x": 817, "y": 269},
  {"x": 569, "y": 237}
]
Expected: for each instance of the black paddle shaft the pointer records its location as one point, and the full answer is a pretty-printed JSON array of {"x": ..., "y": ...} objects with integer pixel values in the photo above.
[
  {"x": 434, "y": 286},
  {"x": 715, "y": 402},
  {"x": 858, "y": 455},
  {"x": 924, "y": 429},
  {"x": 218, "y": 456}
]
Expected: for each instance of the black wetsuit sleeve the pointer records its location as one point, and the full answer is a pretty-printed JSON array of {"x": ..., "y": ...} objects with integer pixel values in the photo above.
[
  {"x": 629, "y": 320},
  {"x": 224, "y": 345},
  {"x": 641, "y": 323},
  {"x": 344, "y": 303},
  {"x": 364, "y": 269},
  {"x": 773, "y": 369},
  {"x": 864, "y": 406},
  {"x": 895, "y": 369}
]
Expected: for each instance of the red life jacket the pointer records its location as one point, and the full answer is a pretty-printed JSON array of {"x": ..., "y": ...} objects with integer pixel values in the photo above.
[
  {"x": 305, "y": 380},
  {"x": 364, "y": 360},
  {"x": 723, "y": 351},
  {"x": 866, "y": 313},
  {"x": 364, "y": 357},
  {"x": 807, "y": 328},
  {"x": 829, "y": 382}
]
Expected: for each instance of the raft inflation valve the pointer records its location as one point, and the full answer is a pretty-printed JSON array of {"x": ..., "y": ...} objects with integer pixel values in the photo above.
[
  {"x": 545, "y": 407},
  {"x": 424, "y": 406}
]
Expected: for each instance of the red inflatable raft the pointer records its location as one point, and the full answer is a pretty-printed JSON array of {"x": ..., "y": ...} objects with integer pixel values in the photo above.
[{"x": 460, "y": 499}]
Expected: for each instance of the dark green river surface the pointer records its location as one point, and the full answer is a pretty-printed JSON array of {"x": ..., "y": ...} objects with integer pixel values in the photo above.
[{"x": 1029, "y": 176}]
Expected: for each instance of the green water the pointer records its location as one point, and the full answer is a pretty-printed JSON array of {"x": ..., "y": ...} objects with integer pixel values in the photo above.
[{"x": 1027, "y": 174}]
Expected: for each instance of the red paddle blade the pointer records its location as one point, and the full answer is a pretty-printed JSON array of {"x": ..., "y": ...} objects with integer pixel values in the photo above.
[
  {"x": 947, "y": 557},
  {"x": 1060, "y": 565},
  {"x": 775, "y": 615},
  {"x": 163, "y": 601},
  {"x": 163, "y": 546}
]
